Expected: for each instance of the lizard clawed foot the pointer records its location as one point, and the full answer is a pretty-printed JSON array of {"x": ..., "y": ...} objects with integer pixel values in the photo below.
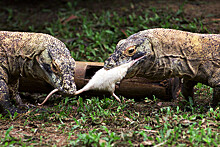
[
  {"x": 29, "y": 106},
  {"x": 24, "y": 106},
  {"x": 11, "y": 111}
]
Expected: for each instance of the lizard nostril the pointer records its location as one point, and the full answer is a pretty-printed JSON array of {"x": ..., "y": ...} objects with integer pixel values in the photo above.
[
  {"x": 108, "y": 66},
  {"x": 109, "y": 63}
]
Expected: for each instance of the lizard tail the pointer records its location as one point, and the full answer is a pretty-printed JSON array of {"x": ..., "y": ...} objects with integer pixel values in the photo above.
[{"x": 48, "y": 96}]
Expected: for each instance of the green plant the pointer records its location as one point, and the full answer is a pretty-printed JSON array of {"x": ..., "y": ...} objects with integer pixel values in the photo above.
[{"x": 8, "y": 140}]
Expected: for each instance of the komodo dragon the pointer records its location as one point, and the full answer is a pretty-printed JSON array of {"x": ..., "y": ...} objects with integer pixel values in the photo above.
[
  {"x": 35, "y": 55},
  {"x": 172, "y": 53}
]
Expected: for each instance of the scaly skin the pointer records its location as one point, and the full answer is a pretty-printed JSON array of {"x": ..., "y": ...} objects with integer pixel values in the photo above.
[
  {"x": 34, "y": 55},
  {"x": 172, "y": 53}
]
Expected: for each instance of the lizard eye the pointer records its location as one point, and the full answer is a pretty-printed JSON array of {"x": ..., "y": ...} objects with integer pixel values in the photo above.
[
  {"x": 54, "y": 67},
  {"x": 130, "y": 51}
]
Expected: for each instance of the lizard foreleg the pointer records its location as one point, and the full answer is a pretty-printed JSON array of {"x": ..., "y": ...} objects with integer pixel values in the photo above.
[
  {"x": 187, "y": 89},
  {"x": 216, "y": 96},
  {"x": 5, "y": 103}
]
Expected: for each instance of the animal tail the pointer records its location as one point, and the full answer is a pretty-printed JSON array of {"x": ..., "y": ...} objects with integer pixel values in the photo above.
[
  {"x": 79, "y": 91},
  {"x": 85, "y": 88},
  {"x": 48, "y": 96}
]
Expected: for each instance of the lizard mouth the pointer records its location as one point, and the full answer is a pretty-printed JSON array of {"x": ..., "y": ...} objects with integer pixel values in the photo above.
[
  {"x": 138, "y": 60},
  {"x": 134, "y": 69}
]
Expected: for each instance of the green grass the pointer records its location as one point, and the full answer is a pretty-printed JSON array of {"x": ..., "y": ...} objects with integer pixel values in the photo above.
[
  {"x": 96, "y": 35},
  {"x": 76, "y": 121},
  {"x": 105, "y": 122},
  {"x": 93, "y": 36}
]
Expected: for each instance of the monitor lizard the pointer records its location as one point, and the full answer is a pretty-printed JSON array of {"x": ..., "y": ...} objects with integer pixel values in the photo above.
[
  {"x": 34, "y": 55},
  {"x": 170, "y": 53}
]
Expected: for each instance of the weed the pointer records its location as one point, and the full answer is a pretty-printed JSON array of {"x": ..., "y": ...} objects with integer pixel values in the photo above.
[{"x": 8, "y": 140}]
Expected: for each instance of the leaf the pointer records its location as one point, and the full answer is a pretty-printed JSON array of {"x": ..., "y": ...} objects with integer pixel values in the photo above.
[
  {"x": 123, "y": 31},
  {"x": 69, "y": 19},
  {"x": 168, "y": 133},
  {"x": 109, "y": 32},
  {"x": 148, "y": 127},
  {"x": 186, "y": 122},
  {"x": 146, "y": 143},
  {"x": 199, "y": 85}
]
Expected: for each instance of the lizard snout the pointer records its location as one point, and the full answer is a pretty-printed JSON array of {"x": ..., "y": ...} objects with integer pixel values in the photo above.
[
  {"x": 69, "y": 86},
  {"x": 109, "y": 64}
]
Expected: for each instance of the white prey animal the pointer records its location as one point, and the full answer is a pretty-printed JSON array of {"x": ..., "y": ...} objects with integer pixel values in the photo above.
[{"x": 105, "y": 79}]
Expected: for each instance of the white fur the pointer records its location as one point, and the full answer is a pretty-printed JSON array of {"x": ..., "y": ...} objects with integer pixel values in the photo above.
[{"x": 106, "y": 79}]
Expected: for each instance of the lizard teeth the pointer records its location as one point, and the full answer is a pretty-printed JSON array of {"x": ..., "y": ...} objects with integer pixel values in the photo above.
[{"x": 48, "y": 96}]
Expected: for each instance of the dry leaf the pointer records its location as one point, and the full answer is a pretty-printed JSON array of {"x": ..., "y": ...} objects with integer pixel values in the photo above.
[{"x": 69, "y": 19}]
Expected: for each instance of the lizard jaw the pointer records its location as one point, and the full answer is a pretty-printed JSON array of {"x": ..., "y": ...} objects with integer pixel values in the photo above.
[
  {"x": 138, "y": 59},
  {"x": 134, "y": 69}
]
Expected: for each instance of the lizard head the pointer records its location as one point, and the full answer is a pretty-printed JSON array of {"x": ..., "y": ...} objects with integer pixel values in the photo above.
[
  {"x": 135, "y": 48},
  {"x": 56, "y": 66}
]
